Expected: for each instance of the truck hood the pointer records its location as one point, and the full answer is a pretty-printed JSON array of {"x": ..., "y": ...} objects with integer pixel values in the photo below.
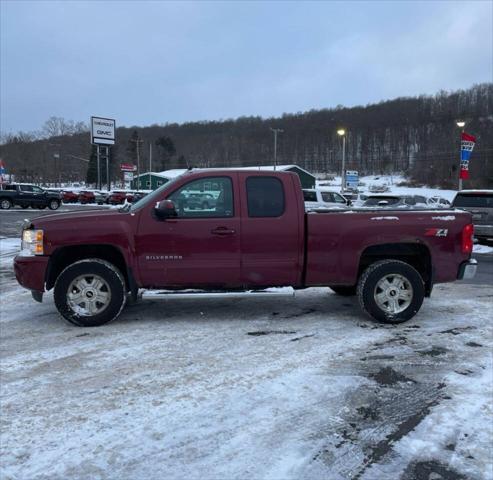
[
  {"x": 87, "y": 228},
  {"x": 73, "y": 218}
]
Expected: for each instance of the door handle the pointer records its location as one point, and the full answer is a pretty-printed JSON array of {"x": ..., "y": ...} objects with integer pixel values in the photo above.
[{"x": 223, "y": 231}]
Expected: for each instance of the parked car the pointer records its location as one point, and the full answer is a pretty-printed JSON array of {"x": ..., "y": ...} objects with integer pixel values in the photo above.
[
  {"x": 258, "y": 235},
  {"x": 100, "y": 197},
  {"x": 480, "y": 204},
  {"x": 117, "y": 197},
  {"x": 438, "y": 202},
  {"x": 26, "y": 195},
  {"x": 315, "y": 198},
  {"x": 395, "y": 201},
  {"x": 378, "y": 188},
  {"x": 204, "y": 201},
  {"x": 86, "y": 196},
  {"x": 69, "y": 197}
]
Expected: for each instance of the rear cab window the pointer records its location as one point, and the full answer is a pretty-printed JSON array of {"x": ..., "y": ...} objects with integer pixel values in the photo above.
[
  {"x": 474, "y": 200},
  {"x": 265, "y": 197}
]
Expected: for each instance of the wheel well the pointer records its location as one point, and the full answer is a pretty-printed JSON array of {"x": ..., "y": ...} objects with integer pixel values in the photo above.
[
  {"x": 65, "y": 256},
  {"x": 416, "y": 255}
]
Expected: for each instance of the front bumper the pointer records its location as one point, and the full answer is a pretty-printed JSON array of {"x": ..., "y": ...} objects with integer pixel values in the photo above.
[
  {"x": 467, "y": 269},
  {"x": 30, "y": 271}
]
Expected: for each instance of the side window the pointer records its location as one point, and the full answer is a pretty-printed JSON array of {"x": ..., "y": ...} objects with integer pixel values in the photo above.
[
  {"x": 339, "y": 198},
  {"x": 26, "y": 188},
  {"x": 37, "y": 190},
  {"x": 204, "y": 198},
  {"x": 309, "y": 196},
  {"x": 265, "y": 197},
  {"x": 327, "y": 197}
]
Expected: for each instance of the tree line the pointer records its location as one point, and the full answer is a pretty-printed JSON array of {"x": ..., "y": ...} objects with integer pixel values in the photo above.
[{"x": 417, "y": 136}]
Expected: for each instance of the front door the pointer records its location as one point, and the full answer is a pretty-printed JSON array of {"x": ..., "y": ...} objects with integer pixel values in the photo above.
[{"x": 201, "y": 246}]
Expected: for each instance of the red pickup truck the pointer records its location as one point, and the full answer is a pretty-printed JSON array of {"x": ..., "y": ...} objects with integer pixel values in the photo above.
[{"x": 256, "y": 234}]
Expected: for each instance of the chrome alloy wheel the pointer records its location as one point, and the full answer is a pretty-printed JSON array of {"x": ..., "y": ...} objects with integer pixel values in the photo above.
[
  {"x": 88, "y": 295},
  {"x": 393, "y": 293}
]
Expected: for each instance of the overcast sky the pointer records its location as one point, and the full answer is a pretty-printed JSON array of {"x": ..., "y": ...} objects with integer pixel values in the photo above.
[{"x": 156, "y": 62}]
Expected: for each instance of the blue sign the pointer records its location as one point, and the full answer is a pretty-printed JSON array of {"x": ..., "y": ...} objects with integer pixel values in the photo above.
[{"x": 352, "y": 179}]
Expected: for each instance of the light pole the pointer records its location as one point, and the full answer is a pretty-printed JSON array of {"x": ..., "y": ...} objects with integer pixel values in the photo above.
[
  {"x": 276, "y": 131},
  {"x": 138, "y": 142},
  {"x": 461, "y": 124},
  {"x": 342, "y": 133}
]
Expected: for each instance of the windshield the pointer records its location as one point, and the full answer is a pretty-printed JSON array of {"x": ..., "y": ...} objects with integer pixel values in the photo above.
[{"x": 152, "y": 197}]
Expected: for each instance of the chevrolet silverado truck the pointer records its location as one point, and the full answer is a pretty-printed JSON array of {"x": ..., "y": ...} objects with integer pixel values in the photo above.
[
  {"x": 255, "y": 235},
  {"x": 28, "y": 196}
]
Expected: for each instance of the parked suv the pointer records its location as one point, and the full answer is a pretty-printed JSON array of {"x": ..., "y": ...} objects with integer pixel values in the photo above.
[
  {"x": 26, "y": 196},
  {"x": 480, "y": 204}
]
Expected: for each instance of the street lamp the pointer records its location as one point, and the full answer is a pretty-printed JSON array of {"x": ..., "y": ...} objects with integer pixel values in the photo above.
[
  {"x": 342, "y": 133},
  {"x": 461, "y": 124}
]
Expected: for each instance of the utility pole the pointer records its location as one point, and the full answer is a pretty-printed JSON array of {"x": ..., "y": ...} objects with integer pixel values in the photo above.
[
  {"x": 108, "y": 167},
  {"x": 276, "y": 131},
  {"x": 138, "y": 142},
  {"x": 150, "y": 165}
]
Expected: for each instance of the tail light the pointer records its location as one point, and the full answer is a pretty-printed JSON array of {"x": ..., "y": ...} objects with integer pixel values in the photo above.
[{"x": 467, "y": 238}]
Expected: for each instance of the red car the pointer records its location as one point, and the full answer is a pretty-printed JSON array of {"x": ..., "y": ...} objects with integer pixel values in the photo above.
[
  {"x": 86, "y": 197},
  {"x": 117, "y": 198},
  {"x": 258, "y": 235},
  {"x": 69, "y": 196}
]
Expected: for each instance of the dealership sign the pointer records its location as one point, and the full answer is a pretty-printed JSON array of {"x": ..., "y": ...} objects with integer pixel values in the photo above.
[
  {"x": 127, "y": 167},
  {"x": 102, "y": 131}
]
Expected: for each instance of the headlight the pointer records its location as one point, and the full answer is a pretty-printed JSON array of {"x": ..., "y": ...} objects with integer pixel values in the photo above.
[{"x": 32, "y": 242}]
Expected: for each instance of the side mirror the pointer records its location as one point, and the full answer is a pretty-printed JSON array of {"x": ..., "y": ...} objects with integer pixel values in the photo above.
[{"x": 165, "y": 209}]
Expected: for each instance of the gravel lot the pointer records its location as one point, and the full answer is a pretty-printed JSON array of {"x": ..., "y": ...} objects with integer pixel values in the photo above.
[{"x": 295, "y": 388}]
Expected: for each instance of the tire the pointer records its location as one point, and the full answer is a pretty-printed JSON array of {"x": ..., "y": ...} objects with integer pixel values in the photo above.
[
  {"x": 391, "y": 291},
  {"x": 54, "y": 204},
  {"x": 78, "y": 280},
  {"x": 344, "y": 291},
  {"x": 6, "y": 204}
]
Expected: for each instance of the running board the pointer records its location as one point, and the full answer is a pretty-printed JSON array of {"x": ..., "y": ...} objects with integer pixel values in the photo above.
[{"x": 173, "y": 294}]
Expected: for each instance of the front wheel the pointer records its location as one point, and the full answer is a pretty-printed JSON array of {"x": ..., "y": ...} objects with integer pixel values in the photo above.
[
  {"x": 54, "y": 204},
  {"x": 391, "y": 291},
  {"x": 90, "y": 292}
]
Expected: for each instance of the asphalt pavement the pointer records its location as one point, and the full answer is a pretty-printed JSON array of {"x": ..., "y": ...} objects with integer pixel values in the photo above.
[{"x": 11, "y": 223}]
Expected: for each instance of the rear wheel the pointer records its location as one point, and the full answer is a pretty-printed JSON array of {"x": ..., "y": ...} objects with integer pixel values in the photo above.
[
  {"x": 6, "y": 204},
  {"x": 90, "y": 292},
  {"x": 391, "y": 291},
  {"x": 344, "y": 291},
  {"x": 54, "y": 204}
]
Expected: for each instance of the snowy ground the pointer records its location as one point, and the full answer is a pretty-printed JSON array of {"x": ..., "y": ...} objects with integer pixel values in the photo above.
[{"x": 252, "y": 388}]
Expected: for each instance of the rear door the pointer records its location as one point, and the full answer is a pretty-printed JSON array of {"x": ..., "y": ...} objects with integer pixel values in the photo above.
[
  {"x": 272, "y": 230},
  {"x": 27, "y": 196}
]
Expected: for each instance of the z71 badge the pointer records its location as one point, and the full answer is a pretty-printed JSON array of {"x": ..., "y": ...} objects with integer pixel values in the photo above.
[{"x": 436, "y": 232}]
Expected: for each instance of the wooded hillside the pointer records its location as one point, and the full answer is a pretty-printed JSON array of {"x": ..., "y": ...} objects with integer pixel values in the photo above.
[{"x": 417, "y": 136}]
